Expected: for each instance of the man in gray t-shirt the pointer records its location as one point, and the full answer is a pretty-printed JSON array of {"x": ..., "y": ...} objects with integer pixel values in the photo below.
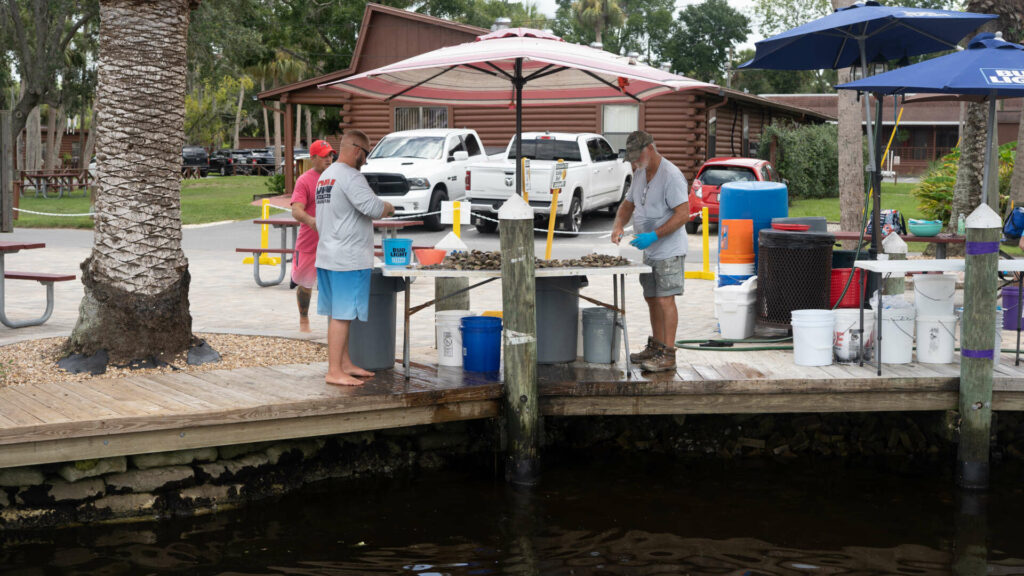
[
  {"x": 345, "y": 209},
  {"x": 657, "y": 202}
]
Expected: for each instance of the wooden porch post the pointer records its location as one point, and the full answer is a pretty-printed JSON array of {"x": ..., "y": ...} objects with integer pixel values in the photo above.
[
  {"x": 6, "y": 173},
  {"x": 289, "y": 146},
  {"x": 519, "y": 341},
  {"x": 977, "y": 343}
]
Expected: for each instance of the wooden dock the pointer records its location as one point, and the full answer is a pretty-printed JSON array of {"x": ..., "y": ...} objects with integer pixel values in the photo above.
[{"x": 99, "y": 418}]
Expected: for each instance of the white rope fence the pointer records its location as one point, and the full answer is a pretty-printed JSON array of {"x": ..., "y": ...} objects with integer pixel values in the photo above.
[{"x": 53, "y": 213}]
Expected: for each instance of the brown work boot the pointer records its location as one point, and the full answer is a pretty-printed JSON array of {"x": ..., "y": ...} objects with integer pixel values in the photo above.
[
  {"x": 647, "y": 353},
  {"x": 663, "y": 361}
]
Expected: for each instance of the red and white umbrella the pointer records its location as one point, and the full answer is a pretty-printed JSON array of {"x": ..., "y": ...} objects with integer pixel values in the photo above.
[{"x": 521, "y": 67}]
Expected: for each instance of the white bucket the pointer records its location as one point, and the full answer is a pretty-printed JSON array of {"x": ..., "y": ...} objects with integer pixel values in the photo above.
[
  {"x": 999, "y": 336},
  {"x": 846, "y": 338},
  {"x": 933, "y": 294},
  {"x": 734, "y": 308},
  {"x": 936, "y": 339},
  {"x": 449, "y": 338},
  {"x": 897, "y": 338},
  {"x": 812, "y": 337},
  {"x": 736, "y": 269}
]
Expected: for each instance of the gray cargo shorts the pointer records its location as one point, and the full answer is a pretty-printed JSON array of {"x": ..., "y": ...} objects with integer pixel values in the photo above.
[{"x": 665, "y": 279}]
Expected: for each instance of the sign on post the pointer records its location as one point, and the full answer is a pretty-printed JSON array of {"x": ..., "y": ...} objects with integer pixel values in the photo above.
[
  {"x": 448, "y": 212},
  {"x": 526, "y": 179},
  {"x": 558, "y": 175}
]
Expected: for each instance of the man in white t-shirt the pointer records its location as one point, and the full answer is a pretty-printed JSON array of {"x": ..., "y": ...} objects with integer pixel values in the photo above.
[
  {"x": 658, "y": 203},
  {"x": 345, "y": 209}
]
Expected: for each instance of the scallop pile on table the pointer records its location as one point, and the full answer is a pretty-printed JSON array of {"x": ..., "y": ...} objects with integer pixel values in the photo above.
[{"x": 480, "y": 260}]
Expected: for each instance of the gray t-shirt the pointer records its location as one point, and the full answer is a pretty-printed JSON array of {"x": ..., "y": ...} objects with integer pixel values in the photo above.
[
  {"x": 653, "y": 204},
  {"x": 345, "y": 209}
]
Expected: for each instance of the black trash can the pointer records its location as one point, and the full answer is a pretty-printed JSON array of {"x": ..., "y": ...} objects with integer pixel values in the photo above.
[
  {"x": 794, "y": 272},
  {"x": 371, "y": 344}
]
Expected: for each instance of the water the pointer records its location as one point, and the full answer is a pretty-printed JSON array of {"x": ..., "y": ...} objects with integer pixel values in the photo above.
[{"x": 595, "y": 515}]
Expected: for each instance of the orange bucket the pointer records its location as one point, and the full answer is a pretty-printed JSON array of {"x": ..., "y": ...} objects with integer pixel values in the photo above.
[{"x": 736, "y": 242}]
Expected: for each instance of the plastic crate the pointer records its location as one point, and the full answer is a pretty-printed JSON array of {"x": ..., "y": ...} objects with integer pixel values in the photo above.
[{"x": 838, "y": 281}]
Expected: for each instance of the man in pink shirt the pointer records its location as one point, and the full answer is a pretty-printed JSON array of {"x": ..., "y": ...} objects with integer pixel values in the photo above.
[{"x": 304, "y": 210}]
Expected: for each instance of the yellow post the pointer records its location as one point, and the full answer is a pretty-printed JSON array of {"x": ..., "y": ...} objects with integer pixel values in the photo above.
[
  {"x": 551, "y": 222},
  {"x": 705, "y": 273},
  {"x": 456, "y": 218},
  {"x": 526, "y": 181},
  {"x": 264, "y": 238}
]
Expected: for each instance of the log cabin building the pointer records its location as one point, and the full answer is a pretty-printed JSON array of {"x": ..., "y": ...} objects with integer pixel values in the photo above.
[{"x": 688, "y": 127}]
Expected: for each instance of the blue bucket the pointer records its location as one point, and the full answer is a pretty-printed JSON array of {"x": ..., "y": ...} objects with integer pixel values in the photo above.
[
  {"x": 397, "y": 251},
  {"x": 726, "y": 280},
  {"x": 481, "y": 343}
]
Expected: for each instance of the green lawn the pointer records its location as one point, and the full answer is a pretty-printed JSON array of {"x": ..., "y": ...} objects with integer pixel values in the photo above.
[
  {"x": 206, "y": 200},
  {"x": 896, "y": 196}
]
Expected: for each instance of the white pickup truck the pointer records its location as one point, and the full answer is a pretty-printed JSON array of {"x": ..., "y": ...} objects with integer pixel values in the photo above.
[
  {"x": 415, "y": 170},
  {"x": 597, "y": 178}
]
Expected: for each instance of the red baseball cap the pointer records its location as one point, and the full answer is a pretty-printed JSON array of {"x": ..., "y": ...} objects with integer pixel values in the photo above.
[{"x": 321, "y": 148}]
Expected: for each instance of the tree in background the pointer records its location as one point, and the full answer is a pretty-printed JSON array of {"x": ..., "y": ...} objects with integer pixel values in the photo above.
[
  {"x": 136, "y": 279},
  {"x": 757, "y": 81},
  {"x": 599, "y": 15},
  {"x": 647, "y": 29},
  {"x": 39, "y": 33},
  {"x": 483, "y": 13},
  {"x": 211, "y": 108},
  {"x": 706, "y": 33}
]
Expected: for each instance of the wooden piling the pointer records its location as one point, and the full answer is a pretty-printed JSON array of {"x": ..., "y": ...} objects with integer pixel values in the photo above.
[
  {"x": 6, "y": 173},
  {"x": 445, "y": 286},
  {"x": 519, "y": 340},
  {"x": 977, "y": 343}
]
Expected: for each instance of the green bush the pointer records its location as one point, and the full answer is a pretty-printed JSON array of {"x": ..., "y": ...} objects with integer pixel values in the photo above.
[
  {"x": 275, "y": 184},
  {"x": 935, "y": 192},
  {"x": 807, "y": 156}
]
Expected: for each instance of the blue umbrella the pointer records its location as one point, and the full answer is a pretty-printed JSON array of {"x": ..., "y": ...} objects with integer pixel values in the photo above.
[
  {"x": 863, "y": 33},
  {"x": 990, "y": 68}
]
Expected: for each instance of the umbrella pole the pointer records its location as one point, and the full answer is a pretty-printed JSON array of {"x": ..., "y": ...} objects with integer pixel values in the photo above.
[
  {"x": 518, "y": 82},
  {"x": 990, "y": 180},
  {"x": 875, "y": 208},
  {"x": 876, "y": 181}
]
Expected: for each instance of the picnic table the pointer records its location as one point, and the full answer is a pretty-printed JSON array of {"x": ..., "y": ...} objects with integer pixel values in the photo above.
[
  {"x": 43, "y": 181},
  {"x": 940, "y": 241},
  {"x": 618, "y": 274},
  {"x": 45, "y": 279},
  {"x": 389, "y": 229}
]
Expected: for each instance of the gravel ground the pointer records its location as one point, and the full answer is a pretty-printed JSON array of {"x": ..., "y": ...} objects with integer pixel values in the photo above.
[{"x": 35, "y": 361}]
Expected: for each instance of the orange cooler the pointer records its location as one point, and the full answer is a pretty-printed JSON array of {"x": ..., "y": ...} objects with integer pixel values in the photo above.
[{"x": 736, "y": 242}]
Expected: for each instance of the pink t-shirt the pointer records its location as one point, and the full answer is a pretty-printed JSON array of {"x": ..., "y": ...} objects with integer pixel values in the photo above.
[{"x": 305, "y": 192}]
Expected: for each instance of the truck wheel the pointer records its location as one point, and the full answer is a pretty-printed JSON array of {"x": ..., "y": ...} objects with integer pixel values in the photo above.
[
  {"x": 433, "y": 223},
  {"x": 691, "y": 227},
  {"x": 485, "y": 226},
  {"x": 223, "y": 171},
  {"x": 573, "y": 221}
]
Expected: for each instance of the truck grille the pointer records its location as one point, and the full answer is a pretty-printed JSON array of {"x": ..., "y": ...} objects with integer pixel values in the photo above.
[{"x": 388, "y": 184}]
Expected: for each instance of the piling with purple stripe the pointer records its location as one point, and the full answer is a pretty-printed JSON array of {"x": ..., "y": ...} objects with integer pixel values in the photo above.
[{"x": 977, "y": 342}]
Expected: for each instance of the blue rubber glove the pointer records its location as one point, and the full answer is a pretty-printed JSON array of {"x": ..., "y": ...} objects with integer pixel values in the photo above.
[{"x": 643, "y": 241}]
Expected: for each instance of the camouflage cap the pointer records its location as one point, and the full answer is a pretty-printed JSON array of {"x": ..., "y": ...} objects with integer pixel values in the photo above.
[{"x": 635, "y": 143}]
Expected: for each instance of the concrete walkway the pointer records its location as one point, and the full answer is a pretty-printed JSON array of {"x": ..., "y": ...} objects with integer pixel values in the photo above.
[{"x": 225, "y": 299}]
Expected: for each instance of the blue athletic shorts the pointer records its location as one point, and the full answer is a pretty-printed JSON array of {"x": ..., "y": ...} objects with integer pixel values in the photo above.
[{"x": 343, "y": 295}]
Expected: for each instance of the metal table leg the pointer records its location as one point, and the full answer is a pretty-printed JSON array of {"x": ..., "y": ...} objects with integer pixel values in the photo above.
[
  {"x": 405, "y": 330},
  {"x": 621, "y": 318},
  {"x": 1020, "y": 297},
  {"x": 878, "y": 327},
  {"x": 862, "y": 288}
]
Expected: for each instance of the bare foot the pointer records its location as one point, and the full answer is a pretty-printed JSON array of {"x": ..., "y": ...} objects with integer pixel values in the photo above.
[
  {"x": 343, "y": 380},
  {"x": 354, "y": 370},
  {"x": 304, "y": 324}
]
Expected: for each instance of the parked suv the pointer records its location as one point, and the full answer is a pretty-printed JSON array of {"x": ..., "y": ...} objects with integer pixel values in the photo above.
[
  {"x": 195, "y": 157},
  {"x": 228, "y": 162},
  {"x": 718, "y": 171}
]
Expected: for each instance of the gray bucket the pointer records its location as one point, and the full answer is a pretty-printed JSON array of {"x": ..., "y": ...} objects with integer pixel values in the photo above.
[
  {"x": 600, "y": 338},
  {"x": 371, "y": 344},
  {"x": 558, "y": 309}
]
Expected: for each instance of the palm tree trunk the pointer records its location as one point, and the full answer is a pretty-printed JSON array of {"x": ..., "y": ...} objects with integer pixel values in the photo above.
[
  {"x": 309, "y": 127},
  {"x": 277, "y": 138},
  {"x": 238, "y": 113},
  {"x": 851, "y": 151},
  {"x": 298, "y": 126},
  {"x": 33, "y": 141},
  {"x": 967, "y": 194},
  {"x": 49, "y": 156},
  {"x": 266, "y": 119},
  {"x": 136, "y": 279}
]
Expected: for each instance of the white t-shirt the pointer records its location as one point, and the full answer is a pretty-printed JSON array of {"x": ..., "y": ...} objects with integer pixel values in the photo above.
[
  {"x": 345, "y": 209},
  {"x": 653, "y": 205}
]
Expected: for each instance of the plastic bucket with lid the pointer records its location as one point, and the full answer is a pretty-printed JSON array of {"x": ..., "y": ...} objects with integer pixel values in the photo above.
[
  {"x": 896, "y": 342},
  {"x": 449, "y": 337},
  {"x": 846, "y": 336},
  {"x": 481, "y": 343},
  {"x": 936, "y": 339},
  {"x": 812, "y": 337},
  {"x": 734, "y": 308},
  {"x": 933, "y": 294}
]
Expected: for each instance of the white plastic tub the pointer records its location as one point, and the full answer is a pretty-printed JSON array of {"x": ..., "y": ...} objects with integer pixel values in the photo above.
[
  {"x": 936, "y": 339},
  {"x": 933, "y": 294},
  {"x": 845, "y": 337},
  {"x": 449, "y": 338},
  {"x": 734, "y": 308},
  {"x": 812, "y": 337},
  {"x": 896, "y": 343}
]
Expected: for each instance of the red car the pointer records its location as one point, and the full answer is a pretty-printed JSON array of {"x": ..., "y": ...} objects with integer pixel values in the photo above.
[{"x": 718, "y": 171}]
